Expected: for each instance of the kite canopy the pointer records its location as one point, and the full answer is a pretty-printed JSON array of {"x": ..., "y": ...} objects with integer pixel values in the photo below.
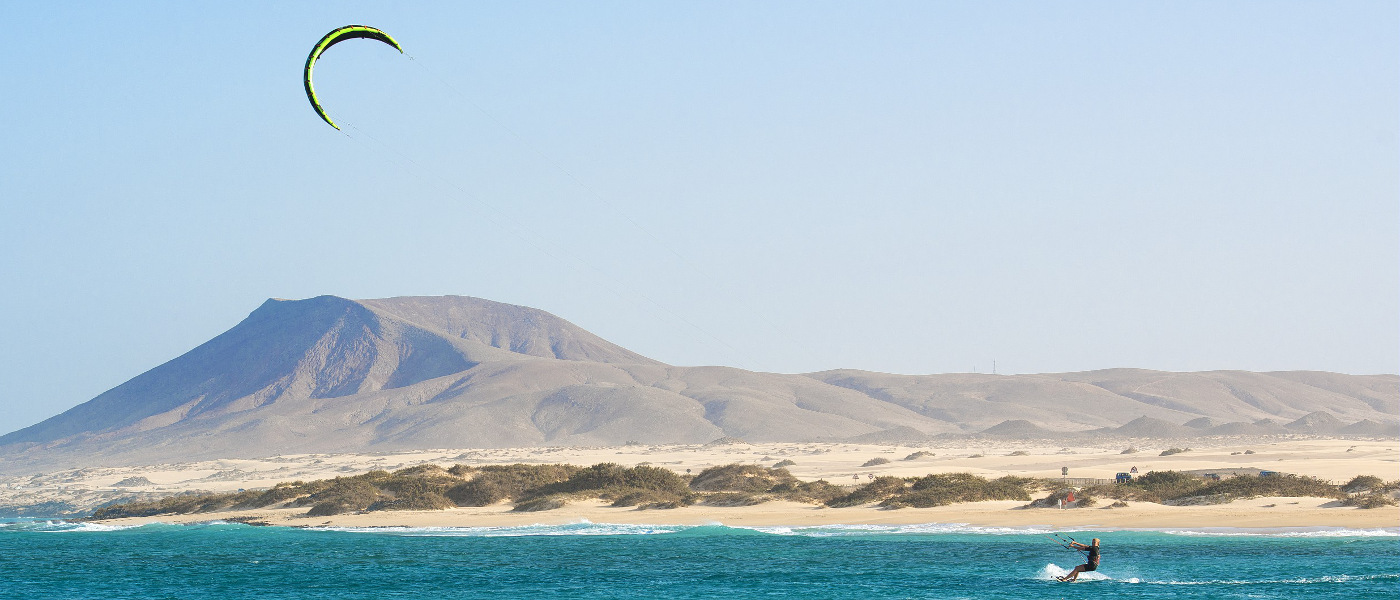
[{"x": 348, "y": 32}]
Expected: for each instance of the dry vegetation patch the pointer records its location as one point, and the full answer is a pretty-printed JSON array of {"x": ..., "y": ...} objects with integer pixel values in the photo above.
[
  {"x": 546, "y": 487},
  {"x": 1186, "y": 489},
  {"x": 953, "y": 488},
  {"x": 878, "y": 490},
  {"x": 1369, "y": 491},
  {"x": 493, "y": 483},
  {"x": 740, "y": 478}
]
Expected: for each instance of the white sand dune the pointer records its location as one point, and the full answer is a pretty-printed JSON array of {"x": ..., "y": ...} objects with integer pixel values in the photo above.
[{"x": 1335, "y": 460}]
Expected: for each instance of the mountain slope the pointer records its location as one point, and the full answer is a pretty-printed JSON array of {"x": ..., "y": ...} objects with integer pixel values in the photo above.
[
  {"x": 326, "y": 347},
  {"x": 518, "y": 329}
]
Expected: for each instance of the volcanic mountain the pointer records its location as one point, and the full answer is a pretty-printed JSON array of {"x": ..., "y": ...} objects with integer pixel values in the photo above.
[{"x": 328, "y": 374}]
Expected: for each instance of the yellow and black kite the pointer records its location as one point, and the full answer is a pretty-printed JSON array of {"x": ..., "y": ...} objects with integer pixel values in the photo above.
[{"x": 348, "y": 32}]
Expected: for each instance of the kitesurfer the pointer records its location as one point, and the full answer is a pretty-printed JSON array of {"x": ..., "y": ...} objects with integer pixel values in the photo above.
[{"x": 1092, "y": 565}]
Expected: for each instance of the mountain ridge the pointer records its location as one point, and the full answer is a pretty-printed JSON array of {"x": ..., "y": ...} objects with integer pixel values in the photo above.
[{"x": 329, "y": 374}]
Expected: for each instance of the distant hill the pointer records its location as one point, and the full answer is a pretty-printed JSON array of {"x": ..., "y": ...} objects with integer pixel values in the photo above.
[
  {"x": 893, "y": 435},
  {"x": 1369, "y": 428},
  {"x": 328, "y": 374},
  {"x": 1114, "y": 397},
  {"x": 1318, "y": 423},
  {"x": 1148, "y": 427},
  {"x": 1260, "y": 427},
  {"x": 1018, "y": 429}
]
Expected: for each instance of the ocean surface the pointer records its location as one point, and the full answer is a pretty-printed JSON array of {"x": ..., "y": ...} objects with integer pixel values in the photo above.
[{"x": 53, "y": 559}]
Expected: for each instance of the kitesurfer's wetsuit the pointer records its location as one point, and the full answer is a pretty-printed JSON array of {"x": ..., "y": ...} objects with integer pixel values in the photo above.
[{"x": 1093, "y": 559}]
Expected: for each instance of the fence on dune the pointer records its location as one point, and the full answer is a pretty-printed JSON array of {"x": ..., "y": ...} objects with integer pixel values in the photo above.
[{"x": 1083, "y": 481}]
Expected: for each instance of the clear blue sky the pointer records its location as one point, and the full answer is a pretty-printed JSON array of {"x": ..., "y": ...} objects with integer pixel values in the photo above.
[{"x": 916, "y": 187}]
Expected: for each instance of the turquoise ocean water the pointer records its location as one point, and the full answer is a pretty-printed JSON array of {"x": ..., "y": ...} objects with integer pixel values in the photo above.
[{"x": 50, "y": 559}]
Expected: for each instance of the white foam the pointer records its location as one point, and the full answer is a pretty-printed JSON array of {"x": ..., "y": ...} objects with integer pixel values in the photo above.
[
  {"x": 1297, "y": 580},
  {"x": 61, "y": 526},
  {"x": 583, "y": 527},
  {"x": 99, "y": 527},
  {"x": 1052, "y": 571},
  {"x": 1284, "y": 532},
  {"x": 920, "y": 528}
]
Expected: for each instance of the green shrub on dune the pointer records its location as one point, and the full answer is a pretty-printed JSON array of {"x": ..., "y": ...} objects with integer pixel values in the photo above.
[
  {"x": 966, "y": 481},
  {"x": 811, "y": 492},
  {"x": 526, "y": 476},
  {"x": 237, "y": 499},
  {"x": 351, "y": 494},
  {"x": 542, "y": 503},
  {"x": 734, "y": 499},
  {"x": 414, "y": 493},
  {"x": 425, "y": 470},
  {"x": 1369, "y": 491},
  {"x": 1177, "y": 488},
  {"x": 1184, "y": 488},
  {"x": 604, "y": 476},
  {"x": 1155, "y": 486},
  {"x": 596, "y": 477},
  {"x": 740, "y": 478},
  {"x": 878, "y": 490},
  {"x": 426, "y": 501},
  {"x": 952, "y": 488},
  {"x": 283, "y": 492},
  {"x": 1369, "y": 500},
  {"x": 641, "y": 498},
  {"x": 746, "y": 485},
  {"x": 360, "y": 492},
  {"x": 494, "y": 483},
  {"x": 1291, "y": 486},
  {"x": 180, "y": 504},
  {"x": 642, "y": 486},
  {"x": 656, "y": 478},
  {"x": 482, "y": 491},
  {"x": 400, "y": 486},
  {"x": 1363, "y": 483}
]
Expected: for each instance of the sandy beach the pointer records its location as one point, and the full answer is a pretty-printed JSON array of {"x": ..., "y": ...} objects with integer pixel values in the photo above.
[{"x": 1330, "y": 459}]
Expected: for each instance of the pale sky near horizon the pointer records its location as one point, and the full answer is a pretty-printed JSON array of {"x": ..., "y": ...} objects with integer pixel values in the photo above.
[{"x": 909, "y": 187}]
